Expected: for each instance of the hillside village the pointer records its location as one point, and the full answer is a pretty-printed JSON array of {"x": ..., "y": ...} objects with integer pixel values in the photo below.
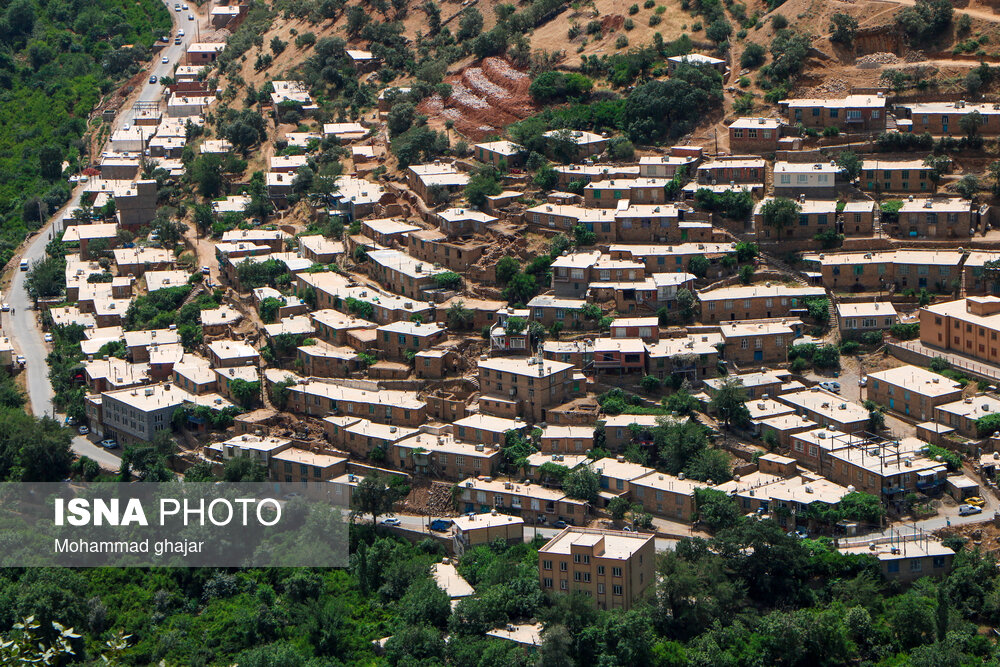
[{"x": 458, "y": 296}]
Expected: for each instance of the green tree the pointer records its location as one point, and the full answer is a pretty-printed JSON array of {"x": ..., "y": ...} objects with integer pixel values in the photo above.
[
  {"x": 716, "y": 509},
  {"x": 582, "y": 484},
  {"x": 459, "y": 317},
  {"x": 849, "y": 163},
  {"x": 843, "y": 28},
  {"x": 482, "y": 184},
  {"x": 507, "y": 268},
  {"x": 971, "y": 122},
  {"x": 968, "y": 186},
  {"x": 780, "y": 213},
  {"x": 243, "y": 469},
  {"x": 374, "y": 495},
  {"x": 937, "y": 166},
  {"x": 729, "y": 401}
]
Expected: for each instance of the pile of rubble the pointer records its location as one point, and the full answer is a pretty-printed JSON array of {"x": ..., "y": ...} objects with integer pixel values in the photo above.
[
  {"x": 873, "y": 60},
  {"x": 433, "y": 500}
]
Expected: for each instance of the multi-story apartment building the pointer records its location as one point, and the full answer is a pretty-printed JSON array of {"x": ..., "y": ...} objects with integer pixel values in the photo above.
[
  {"x": 755, "y": 302},
  {"x": 895, "y": 176},
  {"x": 484, "y": 529},
  {"x": 815, "y": 180},
  {"x": 754, "y": 343},
  {"x": 906, "y": 269},
  {"x": 853, "y": 113},
  {"x": 855, "y": 319},
  {"x": 827, "y": 409},
  {"x": 401, "y": 273},
  {"x": 361, "y": 436},
  {"x": 969, "y": 326},
  {"x": 933, "y": 218},
  {"x": 942, "y": 118},
  {"x": 815, "y": 216},
  {"x": 556, "y": 439},
  {"x": 523, "y": 387},
  {"x": 735, "y": 169},
  {"x": 532, "y": 502},
  {"x": 695, "y": 356},
  {"x": 754, "y": 135},
  {"x": 486, "y": 429},
  {"x": 607, "y": 194},
  {"x": 962, "y": 415},
  {"x": 497, "y": 152},
  {"x": 441, "y": 456},
  {"x": 133, "y": 416},
  {"x": 398, "y": 338},
  {"x": 430, "y": 245},
  {"x": 675, "y": 258},
  {"x": 613, "y": 568},
  {"x": 907, "y": 560},
  {"x": 912, "y": 391},
  {"x": 976, "y": 280},
  {"x": 299, "y": 465},
  {"x": 319, "y": 398}
]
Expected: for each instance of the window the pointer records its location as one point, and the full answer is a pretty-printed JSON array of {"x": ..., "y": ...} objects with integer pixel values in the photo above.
[
  {"x": 916, "y": 565},
  {"x": 547, "y": 582},
  {"x": 600, "y": 570},
  {"x": 600, "y": 589},
  {"x": 616, "y": 572},
  {"x": 563, "y": 584},
  {"x": 616, "y": 590},
  {"x": 563, "y": 566},
  {"x": 546, "y": 565}
]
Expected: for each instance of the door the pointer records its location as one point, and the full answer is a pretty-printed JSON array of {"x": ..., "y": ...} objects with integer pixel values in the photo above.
[{"x": 758, "y": 355}]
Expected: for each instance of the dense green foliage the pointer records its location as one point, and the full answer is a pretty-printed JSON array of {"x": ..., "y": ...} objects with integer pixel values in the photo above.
[{"x": 58, "y": 60}]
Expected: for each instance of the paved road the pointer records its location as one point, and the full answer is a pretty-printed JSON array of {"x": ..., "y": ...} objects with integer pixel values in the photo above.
[{"x": 23, "y": 327}]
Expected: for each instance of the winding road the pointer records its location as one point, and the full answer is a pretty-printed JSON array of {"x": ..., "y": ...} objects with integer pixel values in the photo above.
[{"x": 23, "y": 327}]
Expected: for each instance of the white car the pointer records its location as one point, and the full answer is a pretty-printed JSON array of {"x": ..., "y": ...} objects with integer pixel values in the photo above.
[
  {"x": 180, "y": 33},
  {"x": 48, "y": 338},
  {"x": 164, "y": 60},
  {"x": 391, "y": 521},
  {"x": 83, "y": 430},
  {"x": 190, "y": 17},
  {"x": 21, "y": 360},
  {"x": 126, "y": 127},
  {"x": 5, "y": 307},
  {"x": 184, "y": 7}
]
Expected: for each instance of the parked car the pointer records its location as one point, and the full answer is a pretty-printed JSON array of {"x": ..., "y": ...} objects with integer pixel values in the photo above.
[
  {"x": 126, "y": 127},
  {"x": 184, "y": 7},
  {"x": 177, "y": 7},
  {"x": 5, "y": 306},
  {"x": 391, "y": 521},
  {"x": 164, "y": 60},
  {"x": 830, "y": 385},
  {"x": 205, "y": 270},
  {"x": 109, "y": 444},
  {"x": 863, "y": 381},
  {"x": 177, "y": 40},
  {"x": 21, "y": 361},
  {"x": 24, "y": 262},
  {"x": 180, "y": 33},
  {"x": 48, "y": 338},
  {"x": 976, "y": 501},
  {"x": 165, "y": 38},
  {"x": 800, "y": 533},
  {"x": 966, "y": 510},
  {"x": 69, "y": 421},
  {"x": 560, "y": 524},
  {"x": 83, "y": 430},
  {"x": 440, "y": 525},
  {"x": 190, "y": 17},
  {"x": 152, "y": 79}
]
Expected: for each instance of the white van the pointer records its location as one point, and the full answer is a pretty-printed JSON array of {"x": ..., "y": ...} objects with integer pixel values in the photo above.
[{"x": 24, "y": 265}]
